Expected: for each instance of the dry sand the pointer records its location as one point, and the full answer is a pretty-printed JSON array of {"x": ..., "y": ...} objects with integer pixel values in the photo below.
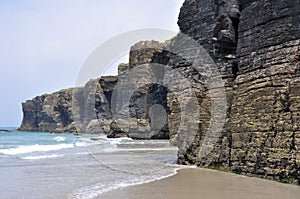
[{"x": 207, "y": 184}]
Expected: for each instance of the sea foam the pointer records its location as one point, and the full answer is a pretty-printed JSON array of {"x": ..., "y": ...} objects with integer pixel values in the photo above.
[
  {"x": 39, "y": 157},
  {"x": 34, "y": 148},
  {"x": 93, "y": 191},
  {"x": 59, "y": 139}
]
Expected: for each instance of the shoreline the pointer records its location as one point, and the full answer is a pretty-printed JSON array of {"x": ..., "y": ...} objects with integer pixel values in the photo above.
[{"x": 208, "y": 184}]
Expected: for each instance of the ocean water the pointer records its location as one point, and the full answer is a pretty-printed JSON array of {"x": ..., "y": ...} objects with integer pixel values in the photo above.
[{"x": 45, "y": 165}]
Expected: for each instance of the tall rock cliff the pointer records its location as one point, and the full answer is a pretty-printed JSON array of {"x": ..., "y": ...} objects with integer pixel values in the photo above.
[
  {"x": 52, "y": 113},
  {"x": 137, "y": 93},
  {"x": 256, "y": 47},
  {"x": 83, "y": 110},
  {"x": 92, "y": 109}
]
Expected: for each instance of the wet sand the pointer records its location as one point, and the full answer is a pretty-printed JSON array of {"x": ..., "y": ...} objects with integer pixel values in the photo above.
[{"x": 207, "y": 184}]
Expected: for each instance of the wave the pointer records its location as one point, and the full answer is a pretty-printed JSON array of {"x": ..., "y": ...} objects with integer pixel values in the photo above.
[
  {"x": 115, "y": 141},
  {"x": 81, "y": 144},
  {"x": 94, "y": 191},
  {"x": 59, "y": 139},
  {"x": 35, "y": 148},
  {"x": 39, "y": 157}
]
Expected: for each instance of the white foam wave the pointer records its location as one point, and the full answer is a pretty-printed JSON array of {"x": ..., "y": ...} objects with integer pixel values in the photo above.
[
  {"x": 94, "y": 191},
  {"x": 132, "y": 142},
  {"x": 115, "y": 141},
  {"x": 34, "y": 148},
  {"x": 183, "y": 166},
  {"x": 39, "y": 157},
  {"x": 80, "y": 144},
  {"x": 59, "y": 139}
]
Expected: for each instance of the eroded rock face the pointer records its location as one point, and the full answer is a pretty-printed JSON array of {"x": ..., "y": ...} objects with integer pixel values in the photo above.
[
  {"x": 92, "y": 105},
  {"x": 262, "y": 124},
  {"x": 92, "y": 108},
  {"x": 261, "y": 75},
  {"x": 52, "y": 113},
  {"x": 133, "y": 116},
  {"x": 213, "y": 23},
  {"x": 83, "y": 110}
]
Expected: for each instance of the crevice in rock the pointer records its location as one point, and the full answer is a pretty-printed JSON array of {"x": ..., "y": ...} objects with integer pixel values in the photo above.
[
  {"x": 235, "y": 70},
  {"x": 293, "y": 141},
  {"x": 235, "y": 23},
  {"x": 36, "y": 121},
  {"x": 230, "y": 148}
]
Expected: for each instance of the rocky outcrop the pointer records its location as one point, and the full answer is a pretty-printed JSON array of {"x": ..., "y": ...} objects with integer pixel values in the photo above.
[
  {"x": 5, "y": 131},
  {"x": 256, "y": 47},
  {"x": 91, "y": 107},
  {"x": 52, "y": 113},
  {"x": 83, "y": 110},
  {"x": 132, "y": 111}
]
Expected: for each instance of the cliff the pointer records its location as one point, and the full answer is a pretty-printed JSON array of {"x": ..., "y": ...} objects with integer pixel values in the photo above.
[
  {"x": 52, "y": 113},
  {"x": 75, "y": 110},
  {"x": 255, "y": 47},
  {"x": 136, "y": 92},
  {"x": 88, "y": 109}
]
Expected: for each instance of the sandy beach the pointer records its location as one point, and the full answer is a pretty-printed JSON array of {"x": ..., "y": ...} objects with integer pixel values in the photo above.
[{"x": 207, "y": 184}]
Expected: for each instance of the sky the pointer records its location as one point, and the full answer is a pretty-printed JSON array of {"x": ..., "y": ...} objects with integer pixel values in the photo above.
[{"x": 43, "y": 43}]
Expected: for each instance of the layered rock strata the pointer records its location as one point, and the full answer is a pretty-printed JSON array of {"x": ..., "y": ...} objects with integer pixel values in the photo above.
[
  {"x": 93, "y": 109},
  {"x": 77, "y": 110},
  {"x": 260, "y": 69},
  {"x": 140, "y": 103}
]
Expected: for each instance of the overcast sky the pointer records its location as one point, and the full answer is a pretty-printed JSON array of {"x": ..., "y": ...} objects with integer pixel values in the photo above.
[{"x": 44, "y": 43}]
